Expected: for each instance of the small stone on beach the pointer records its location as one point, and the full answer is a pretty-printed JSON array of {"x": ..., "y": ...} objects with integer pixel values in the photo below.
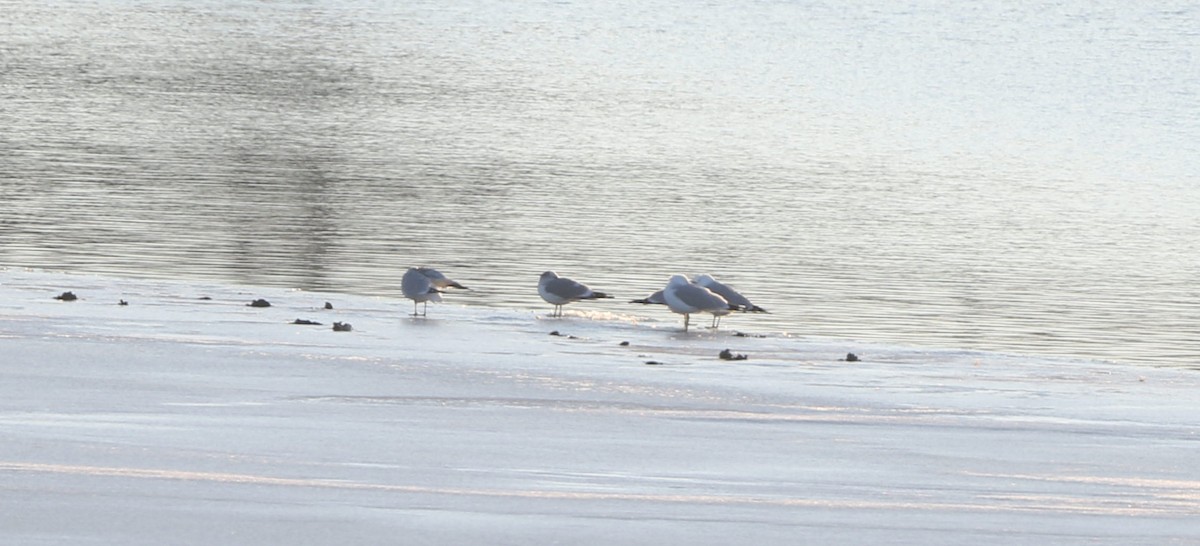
[
  {"x": 341, "y": 327},
  {"x": 66, "y": 296},
  {"x": 851, "y": 357},
  {"x": 729, "y": 355},
  {"x": 328, "y": 305},
  {"x": 259, "y": 303},
  {"x": 122, "y": 302},
  {"x": 306, "y": 322}
]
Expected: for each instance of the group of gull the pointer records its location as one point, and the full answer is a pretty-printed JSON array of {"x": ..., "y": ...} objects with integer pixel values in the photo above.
[{"x": 702, "y": 294}]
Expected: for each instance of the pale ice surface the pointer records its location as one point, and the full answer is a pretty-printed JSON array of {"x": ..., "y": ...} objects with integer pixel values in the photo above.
[{"x": 181, "y": 420}]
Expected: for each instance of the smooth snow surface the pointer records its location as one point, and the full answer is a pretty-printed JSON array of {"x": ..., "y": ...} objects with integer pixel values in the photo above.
[{"x": 181, "y": 420}]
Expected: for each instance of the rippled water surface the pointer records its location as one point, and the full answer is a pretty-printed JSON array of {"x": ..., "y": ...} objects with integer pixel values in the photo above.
[{"x": 1021, "y": 178}]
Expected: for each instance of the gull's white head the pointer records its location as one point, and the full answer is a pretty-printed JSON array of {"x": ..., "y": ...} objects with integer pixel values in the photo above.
[{"x": 678, "y": 280}]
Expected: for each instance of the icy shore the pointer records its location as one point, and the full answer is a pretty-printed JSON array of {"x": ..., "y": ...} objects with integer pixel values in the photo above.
[{"x": 189, "y": 417}]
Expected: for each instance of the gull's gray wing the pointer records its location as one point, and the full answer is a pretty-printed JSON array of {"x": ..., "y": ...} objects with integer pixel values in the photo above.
[
  {"x": 438, "y": 279},
  {"x": 701, "y": 298},
  {"x": 732, "y": 296},
  {"x": 655, "y": 298},
  {"x": 568, "y": 289}
]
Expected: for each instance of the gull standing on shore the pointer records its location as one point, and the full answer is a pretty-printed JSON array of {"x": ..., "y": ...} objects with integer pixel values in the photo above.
[
  {"x": 686, "y": 298},
  {"x": 732, "y": 296},
  {"x": 559, "y": 291},
  {"x": 423, "y": 285}
]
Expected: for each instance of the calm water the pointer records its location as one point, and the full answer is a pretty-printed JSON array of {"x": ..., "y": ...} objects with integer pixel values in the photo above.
[{"x": 1021, "y": 178}]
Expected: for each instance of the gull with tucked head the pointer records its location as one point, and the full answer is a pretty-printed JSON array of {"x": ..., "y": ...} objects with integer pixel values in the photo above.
[
  {"x": 686, "y": 298},
  {"x": 559, "y": 291},
  {"x": 732, "y": 296},
  {"x": 423, "y": 285}
]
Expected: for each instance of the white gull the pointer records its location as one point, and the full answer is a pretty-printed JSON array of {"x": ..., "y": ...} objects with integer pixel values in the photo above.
[{"x": 423, "y": 284}]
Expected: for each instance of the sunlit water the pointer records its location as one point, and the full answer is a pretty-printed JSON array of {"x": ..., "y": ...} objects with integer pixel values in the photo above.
[{"x": 1020, "y": 178}]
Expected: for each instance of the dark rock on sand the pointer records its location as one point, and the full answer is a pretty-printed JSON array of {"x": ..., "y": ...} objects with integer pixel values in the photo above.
[
  {"x": 729, "y": 355},
  {"x": 851, "y": 357},
  {"x": 259, "y": 303},
  {"x": 66, "y": 296},
  {"x": 341, "y": 327},
  {"x": 306, "y": 322}
]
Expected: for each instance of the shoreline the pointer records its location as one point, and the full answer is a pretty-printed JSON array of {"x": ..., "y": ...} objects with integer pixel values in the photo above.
[
  {"x": 654, "y": 316},
  {"x": 198, "y": 421}
]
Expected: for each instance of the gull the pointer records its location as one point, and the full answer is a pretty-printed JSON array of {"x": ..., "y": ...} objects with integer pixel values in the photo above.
[
  {"x": 655, "y": 299},
  {"x": 559, "y": 291},
  {"x": 686, "y": 298},
  {"x": 732, "y": 296},
  {"x": 438, "y": 279},
  {"x": 423, "y": 284}
]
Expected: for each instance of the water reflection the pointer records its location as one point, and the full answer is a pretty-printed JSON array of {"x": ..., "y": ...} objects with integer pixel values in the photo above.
[{"x": 329, "y": 146}]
